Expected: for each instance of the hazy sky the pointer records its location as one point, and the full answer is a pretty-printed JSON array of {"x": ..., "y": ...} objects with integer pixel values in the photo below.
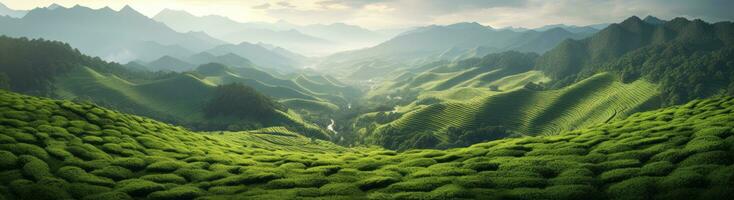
[{"x": 377, "y": 14}]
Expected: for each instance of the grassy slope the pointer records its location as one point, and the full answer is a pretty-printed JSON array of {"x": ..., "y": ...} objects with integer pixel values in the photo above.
[
  {"x": 595, "y": 100},
  {"x": 160, "y": 98},
  {"x": 53, "y": 149}
]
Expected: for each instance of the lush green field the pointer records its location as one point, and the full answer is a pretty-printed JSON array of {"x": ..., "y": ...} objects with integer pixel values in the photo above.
[
  {"x": 161, "y": 99},
  {"x": 522, "y": 111},
  {"x": 54, "y": 149}
]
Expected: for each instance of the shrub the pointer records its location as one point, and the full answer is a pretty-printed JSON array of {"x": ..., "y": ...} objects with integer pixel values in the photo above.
[
  {"x": 196, "y": 175},
  {"x": 131, "y": 163},
  {"x": 165, "y": 166},
  {"x": 4, "y": 139},
  {"x": 711, "y": 157},
  {"x": 635, "y": 188},
  {"x": 76, "y": 174},
  {"x": 325, "y": 170},
  {"x": 93, "y": 139},
  {"x": 29, "y": 190},
  {"x": 246, "y": 179},
  {"x": 376, "y": 182},
  {"x": 518, "y": 182},
  {"x": 506, "y": 152},
  {"x": 705, "y": 143},
  {"x": 35, "y": 168},
  {"x": 177, "y": 193},
  {"x": 8, "y": 160},
  {"x": 227, "y": 189},
  {"x": 87, "y": 152},
  {"x": 723, "y": 176},
  {"x": 616, "y": 175},
  {"x": 109, "y": 196},
  {"x": 450, "y": 191},
  {"x": 164, "y": 178},
  {"x": 682, "y": 179},
  {"x": 660, "y": 168},
  {"x": 138, "y": 187},
  {"x": 25, "y": 149},
  {"x": 574, "y": 180},
  {"x": 713, "y": 131},
  {"x": 475, "y": 181},
  {"x": 368, "y": 164},
  {"x": 419, "y": 162},
  {"x": 420, "y": 184},
  {"x": 340, "y": 189},
  {"x": 483, "y": 166},
  {"x": 80, "y": 190},
  {"x": 625, "y": 163},
  {"x": 113, "y": 172},
  {"x": 59, "y": 152},
  {"x": 579, "y": 192},
  {"x": 671, "y": 155},
  {"x": 443, "y": 171},
  {"x": 301, "y": 182}
]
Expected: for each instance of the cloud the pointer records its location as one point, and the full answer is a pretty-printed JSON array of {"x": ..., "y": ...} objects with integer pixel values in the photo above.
[
  {"x": 285, "y": 4},
  {"x": 261, "y": 6},
  {"x": 350, "y": 3}
]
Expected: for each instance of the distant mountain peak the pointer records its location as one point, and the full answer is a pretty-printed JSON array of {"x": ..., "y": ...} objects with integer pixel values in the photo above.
[
  {"x": 54, "y": 6},
  {"x": 468, "y": 25},
  {"x": 129, "y": 10},
  {"x": 653, "y": 20},
  {"x": 633, "y": 19}
]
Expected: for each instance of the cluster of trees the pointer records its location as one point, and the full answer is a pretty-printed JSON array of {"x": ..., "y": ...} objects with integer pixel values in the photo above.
[
  {"x": 688, "y": 59},
  {"x": 683, "y": 72},
  {"x": 512, "y": 61},
  {"x": 238, "y": 100}
]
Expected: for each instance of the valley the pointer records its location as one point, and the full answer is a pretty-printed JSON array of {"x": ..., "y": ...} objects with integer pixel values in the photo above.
[{"x": 102, "y": 103}]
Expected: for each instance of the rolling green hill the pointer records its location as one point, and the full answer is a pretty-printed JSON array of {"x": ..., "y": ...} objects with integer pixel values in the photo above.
[
  {"x": 661, "y": 52},
  {"x": 172, "y": 97},
  {"x": 456, "y": 119},
  {"x": 443, "y": 76},
  {"x": 51, "y": 149}
]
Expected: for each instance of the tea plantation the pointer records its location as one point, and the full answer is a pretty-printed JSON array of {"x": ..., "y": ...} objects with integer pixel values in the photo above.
[{"x": 52, "y": 149}]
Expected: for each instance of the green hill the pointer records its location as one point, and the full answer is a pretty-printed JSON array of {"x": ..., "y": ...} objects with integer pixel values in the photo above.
[
  {"x": 67, "y": 74},
  {"x": 460, "y": 119},
  {"x": 443, "y": 76},
  {"x": 54, "y": 149},
  {"x": 655, "y": 51}
]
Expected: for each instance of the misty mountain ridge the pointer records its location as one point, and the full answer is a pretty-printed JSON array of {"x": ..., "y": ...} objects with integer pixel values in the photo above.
[
  {"x": 112, "y": 35},
  {"x": 303, "y": 39},
  {"x": 5, "y": 11},
  {"x": 451, "y": 42}
]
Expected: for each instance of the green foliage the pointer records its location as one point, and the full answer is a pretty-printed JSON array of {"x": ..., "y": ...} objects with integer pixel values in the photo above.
[
  {"x": 644, "y": 156},
  {"x": 376, "y": 182},
  {"x": 165, "y": 166},
  {"x": 138, "y": 187},
  {"x": 241, "y": 101},
  {"x": 660, "y": 53},
  {"x": 181, "y": 192},
  {"x": 8, "y": 160}
]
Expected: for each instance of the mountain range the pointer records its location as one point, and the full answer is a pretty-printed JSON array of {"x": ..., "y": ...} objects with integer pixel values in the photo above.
[
  {"x": 5, "y": 11},
  {"x": 452, "y": 42},
  {"x": 120, "y": 36},
  {"x": 303, "y": 39},
  {"x": 631, "y": 66}
]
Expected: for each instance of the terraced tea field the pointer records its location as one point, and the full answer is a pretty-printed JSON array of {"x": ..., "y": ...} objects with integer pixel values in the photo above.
[
  {"x": 524, "y": 111},
  {"x": 51, "y": 149}
]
